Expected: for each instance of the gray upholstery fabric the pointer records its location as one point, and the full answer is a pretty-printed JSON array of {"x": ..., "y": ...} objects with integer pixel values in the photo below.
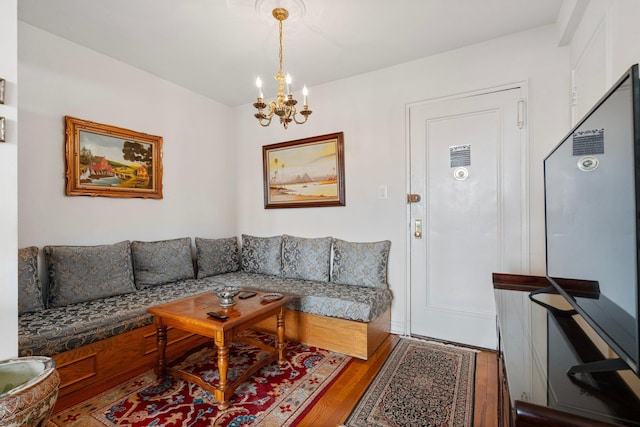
[
  {"x": 55, "y": 330},
  {"x": 29, "y": 288},
  {"x": 84, "y": 273},
  {"x": 306, "y": 258},
  {"x": 360, "y": 264},
  {"x": 359, "y": 303},
  {"x": 262, "y": 254},
  {"x": 163, "y": 261},
  {"x": 217, "y": 256}
]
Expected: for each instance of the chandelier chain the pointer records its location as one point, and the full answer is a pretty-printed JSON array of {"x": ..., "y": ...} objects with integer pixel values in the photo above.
[{"x": 280, "y": 22}]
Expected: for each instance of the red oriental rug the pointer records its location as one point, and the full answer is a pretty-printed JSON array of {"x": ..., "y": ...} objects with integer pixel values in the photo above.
[{"x": 277, "y": 395}]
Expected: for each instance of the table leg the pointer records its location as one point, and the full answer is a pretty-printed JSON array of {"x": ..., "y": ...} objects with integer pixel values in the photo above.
[
  {"x": 161, "y": 335},
  {"x": 223, "y": 366},
  {"x": 281, "y": 343}
]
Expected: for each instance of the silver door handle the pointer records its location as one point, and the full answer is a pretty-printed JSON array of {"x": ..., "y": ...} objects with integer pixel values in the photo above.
[{"x": 417, "y": 231}]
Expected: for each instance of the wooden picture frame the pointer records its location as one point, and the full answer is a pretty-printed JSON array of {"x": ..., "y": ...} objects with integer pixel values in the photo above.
[
  {"x": 304, "y": 173},
  {"x": 108, "y": 161}
]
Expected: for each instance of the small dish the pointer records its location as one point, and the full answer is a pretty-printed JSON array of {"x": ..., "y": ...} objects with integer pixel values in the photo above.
[{"x": 271, "y": 297}]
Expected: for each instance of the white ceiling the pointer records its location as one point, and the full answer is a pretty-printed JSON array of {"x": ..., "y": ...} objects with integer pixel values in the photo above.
[{"x": 218, "y": 47}]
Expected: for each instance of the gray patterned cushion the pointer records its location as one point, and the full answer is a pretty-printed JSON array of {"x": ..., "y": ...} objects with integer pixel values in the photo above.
[
  {"x": 357, "y": 303},
  {"x": 29, "y": 290},
  {"x": 360, "y": 264},
  {"x": 262, "y": 254},
  {"x": 85, "y": 273},
  {"x": 304, "y": 258},
  {"x": 163, "y": 261},
  {"x": 217, "y": 256},
  {"x": 55, "y": 330}
]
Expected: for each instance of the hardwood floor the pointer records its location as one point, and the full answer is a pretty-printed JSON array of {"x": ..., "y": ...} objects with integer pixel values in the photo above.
[{"x": 336, "y": 404}]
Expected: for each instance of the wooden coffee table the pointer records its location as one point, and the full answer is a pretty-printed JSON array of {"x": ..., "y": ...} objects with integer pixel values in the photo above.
[{"x": 190, "y": 314}]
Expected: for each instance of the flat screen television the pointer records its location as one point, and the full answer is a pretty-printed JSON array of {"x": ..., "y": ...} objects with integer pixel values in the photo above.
[{"x": 592, "y": 194}]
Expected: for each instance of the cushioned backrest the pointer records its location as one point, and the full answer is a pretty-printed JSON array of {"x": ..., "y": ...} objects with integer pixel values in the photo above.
[
  {"x": 262, "y": 254},
  {"x": 360, "y": 264},
  {"x": 306, "y": 258},
  {"x": 29, "y": 288},
  {"x": 85, "y": 273},
  {"x": 217, "y": 256},
  {"x": 163, "y": 261}
]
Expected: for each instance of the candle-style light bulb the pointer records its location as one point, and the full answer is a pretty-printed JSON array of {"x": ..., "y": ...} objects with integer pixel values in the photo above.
[
  {"x": 305, "y": 92},
  {"x": 288, "y": 80},
  {"x": 259, "y": 86}
]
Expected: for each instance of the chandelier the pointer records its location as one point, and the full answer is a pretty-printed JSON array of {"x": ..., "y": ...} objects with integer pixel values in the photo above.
[{"x": 284, "y": 106}]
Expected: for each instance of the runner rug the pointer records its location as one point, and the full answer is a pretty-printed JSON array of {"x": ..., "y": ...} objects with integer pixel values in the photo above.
[
  {"x": 276, "y": 395},
  {"x": 421, "y": 383}
]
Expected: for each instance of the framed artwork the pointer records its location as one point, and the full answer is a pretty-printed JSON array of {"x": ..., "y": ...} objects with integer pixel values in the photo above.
[
  {"x": 304, "y": 173},
  {"x": 109, "y": 161}
]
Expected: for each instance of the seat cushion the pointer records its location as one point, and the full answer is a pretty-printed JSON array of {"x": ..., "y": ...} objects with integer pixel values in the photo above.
[
  {"x": 306, "y": 258},
  {"x": 358, "y": 303},
  {"x": 55, "y": 330},
  {"x": 360, "y": 264},
  {"x": 29, "y": 288},
  {"x": 163, "y": 261},
  {"x": 85, "y": 273},
  {"x": 216, "y": 256}
]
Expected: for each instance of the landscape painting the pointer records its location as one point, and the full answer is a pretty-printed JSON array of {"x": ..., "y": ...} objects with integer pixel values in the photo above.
[
  {"x": 304, "y": 173},
  {"x": 108, "y": 161}
]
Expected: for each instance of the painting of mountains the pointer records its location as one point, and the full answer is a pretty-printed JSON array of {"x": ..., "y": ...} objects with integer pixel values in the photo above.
[{"x": 305, "y": 173}]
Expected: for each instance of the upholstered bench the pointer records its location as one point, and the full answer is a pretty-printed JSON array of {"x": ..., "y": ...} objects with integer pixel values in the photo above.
[{"x": 96, "y": 327}]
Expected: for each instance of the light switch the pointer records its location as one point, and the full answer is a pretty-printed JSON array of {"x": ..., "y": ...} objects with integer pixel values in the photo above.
[{"x": 382, "y": 192}]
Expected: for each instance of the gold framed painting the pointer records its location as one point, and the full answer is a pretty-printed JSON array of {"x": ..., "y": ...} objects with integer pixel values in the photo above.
[
  {"x": 304, "y": 173},
  {"x": 108, "y": 161}
]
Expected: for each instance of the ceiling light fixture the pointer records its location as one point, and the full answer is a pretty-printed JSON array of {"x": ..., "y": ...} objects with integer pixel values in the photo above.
[{"x": 284, "y": 106}]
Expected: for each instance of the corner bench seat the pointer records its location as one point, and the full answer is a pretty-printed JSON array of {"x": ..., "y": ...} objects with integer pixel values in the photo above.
[
  {"x": 56, "y": 330},
  {"x": 91, "y": 316}
]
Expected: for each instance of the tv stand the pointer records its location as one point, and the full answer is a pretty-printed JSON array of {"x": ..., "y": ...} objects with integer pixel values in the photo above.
[
  {"x": 605, "y": 365},
  {"x": 537, "y": 350},
  {"x": 554, "y": 310}
]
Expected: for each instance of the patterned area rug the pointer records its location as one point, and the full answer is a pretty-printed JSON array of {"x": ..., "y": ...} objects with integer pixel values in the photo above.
[
  {"x": 421, "y": 383},
  {"x": 277, "y": 395}
]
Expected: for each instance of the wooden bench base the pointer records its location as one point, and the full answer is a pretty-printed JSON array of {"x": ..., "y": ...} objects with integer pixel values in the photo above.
[
  {"x": 94, "y": 368},
  {"x": 356, "y": 339},
  {"x": 91, "y": 369}
]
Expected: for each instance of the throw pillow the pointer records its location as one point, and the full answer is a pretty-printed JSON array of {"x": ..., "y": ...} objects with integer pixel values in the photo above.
[
  {"x": 29, "y": 289},
  {"x": 163, "y": 261},
  {"x": 262, "y": 255},
  {"x": 216, "y": 256},
  {"x": 360, "y": 264},
  {"x": 85, "y": 273},
  {"x": 306, "y": 258}
]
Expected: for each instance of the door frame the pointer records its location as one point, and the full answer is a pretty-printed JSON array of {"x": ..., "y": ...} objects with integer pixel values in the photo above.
[{"x": 524, "y": 165}]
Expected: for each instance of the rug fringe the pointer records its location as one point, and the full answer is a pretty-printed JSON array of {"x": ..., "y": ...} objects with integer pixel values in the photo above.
[{"x": 440, "y": 343}]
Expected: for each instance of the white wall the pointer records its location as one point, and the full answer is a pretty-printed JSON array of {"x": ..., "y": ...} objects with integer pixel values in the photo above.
[
  {"x": 62, "y": 78},
  {"x": 9, "y": 182},
  {"x": 603, "y": 47},
  {"x": 370, "y": 110}
]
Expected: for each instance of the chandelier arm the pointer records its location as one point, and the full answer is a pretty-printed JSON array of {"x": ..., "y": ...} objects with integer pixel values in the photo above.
[{"x": 306, "y": 116}]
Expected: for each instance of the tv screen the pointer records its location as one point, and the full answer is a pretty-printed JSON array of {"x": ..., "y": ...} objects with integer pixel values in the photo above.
[{"x": 591, "y": 212}]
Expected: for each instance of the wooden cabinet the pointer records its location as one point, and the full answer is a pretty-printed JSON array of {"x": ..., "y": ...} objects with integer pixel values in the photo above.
[{"x": 537, "y": 346}]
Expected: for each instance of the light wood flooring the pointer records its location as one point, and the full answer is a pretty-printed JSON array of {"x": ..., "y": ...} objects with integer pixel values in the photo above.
[{"x": 337, "y": 403}]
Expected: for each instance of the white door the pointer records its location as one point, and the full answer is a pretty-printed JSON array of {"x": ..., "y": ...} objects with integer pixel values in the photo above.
[{"x": 467, "y": 166}]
